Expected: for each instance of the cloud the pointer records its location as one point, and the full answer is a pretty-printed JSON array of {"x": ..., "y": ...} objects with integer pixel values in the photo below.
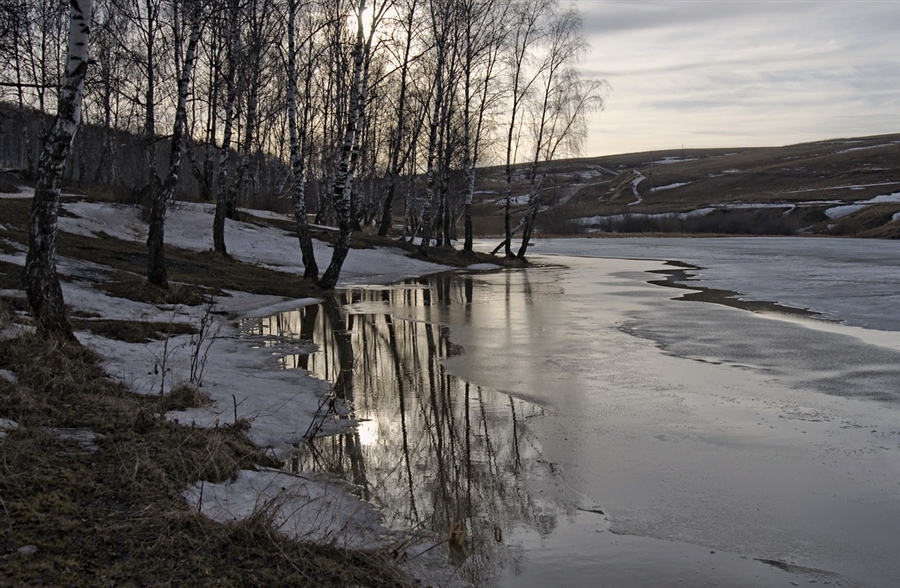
[{"x": 771, "y": 72}]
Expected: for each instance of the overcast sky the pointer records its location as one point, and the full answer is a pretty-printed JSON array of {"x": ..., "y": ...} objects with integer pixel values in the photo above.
[{"x": 737, "y": 74}]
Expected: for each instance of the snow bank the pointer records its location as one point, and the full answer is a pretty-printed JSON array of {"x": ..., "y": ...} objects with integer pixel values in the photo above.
[
  {"x": 7, "y": 425},
  {"x": 189, "y": 226},
  {"x": 865, "y": 148},
  {"x": 669, "y": 186},
  {"x": 673, "y": 159},
  {"x": 301, "y": 506}
]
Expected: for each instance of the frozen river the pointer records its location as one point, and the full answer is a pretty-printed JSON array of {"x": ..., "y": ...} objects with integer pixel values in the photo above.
[
  {"x": 587, "y": 429},
  {"x": 853, "y": 280}
]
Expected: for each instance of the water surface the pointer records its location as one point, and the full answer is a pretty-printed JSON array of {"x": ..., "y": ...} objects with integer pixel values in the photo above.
[{"x": 582, "y": 427}]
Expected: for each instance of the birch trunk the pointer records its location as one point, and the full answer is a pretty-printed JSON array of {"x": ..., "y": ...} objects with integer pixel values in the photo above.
[
  {"x": 343, "y": 184},
  {"x": 387, "y": 213},
  {"x": 527, "y": 32},
  {"x": 41, "y": 281},
  {"x": 156, "y": 263},
  {"x": 298, "y": 188},
  {"x": 225, "y": 151},
  {"x": 240, "y": 176},
  {"x": 468, "y": 160},
  {"x": 430, "y": 202},
  {"x": 534, "y": 206}
]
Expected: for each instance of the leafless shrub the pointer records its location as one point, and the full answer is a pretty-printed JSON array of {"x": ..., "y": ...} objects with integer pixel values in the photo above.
[
  {"x": 555, "y": 222},
  {"x": 729, "y": 222},
  {"x": 201, "y": 341}
]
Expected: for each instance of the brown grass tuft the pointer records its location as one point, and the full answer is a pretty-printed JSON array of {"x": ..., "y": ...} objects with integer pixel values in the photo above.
[
  {"x": 6, "y": 316},
  {"x": 184, "y": 396}
]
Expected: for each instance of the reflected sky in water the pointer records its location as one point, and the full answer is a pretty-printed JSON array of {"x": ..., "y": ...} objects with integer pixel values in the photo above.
[
  {"x": 431, "y": 451},
  {"x": 644, "y": 439}
]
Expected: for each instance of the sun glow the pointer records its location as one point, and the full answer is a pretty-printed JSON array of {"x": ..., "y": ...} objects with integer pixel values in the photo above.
[{"x": 367, "y": 431}]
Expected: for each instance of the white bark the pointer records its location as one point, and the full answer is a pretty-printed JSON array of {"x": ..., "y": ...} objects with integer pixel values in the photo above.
[
  {"x": 156, "y": 270},
  {"x": 41, "y": 281},
  {"x": 298, "y": 188},
  {"x": 343, "y": 184}
]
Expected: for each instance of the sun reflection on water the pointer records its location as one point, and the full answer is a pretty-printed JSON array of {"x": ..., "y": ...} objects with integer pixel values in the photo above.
[{"x": 431, "y": 451}]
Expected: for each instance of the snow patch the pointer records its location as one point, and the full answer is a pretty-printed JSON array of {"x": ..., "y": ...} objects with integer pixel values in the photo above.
[
  {"x": 639, "y": 177},
  {"x": 867, "y": 147},
  {"x": 593, "y": 220},
  {"x": 849, "y": 187},
  {"x": 6, "y": 427},
  {"x": 189, "y": 226},
  {"x": 673, "y": 159},
  {"x": 516, "y": 200},
  {"x": 483, "y": 267},
  {"x": 301, "y": 507},
  {"x": 669, "y": 186},
  {"x": 837, "y": 212}
]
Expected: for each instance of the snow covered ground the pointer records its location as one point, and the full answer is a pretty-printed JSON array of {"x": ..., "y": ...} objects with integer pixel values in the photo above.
[
  {"x": 242, "y": 375},
  {"x": 189, "y": 226},
  {"x": 841, "y": 211}
]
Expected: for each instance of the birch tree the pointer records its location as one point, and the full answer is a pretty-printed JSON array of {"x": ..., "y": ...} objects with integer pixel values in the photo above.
[
  {"x": 528, "y": 31},
  {"x": 298, "y": 138},
  {"x": 485, "y": 33},
  {"x": 399, "y": 153},
  {"x": 146, "y": 18},
  {"x": 41, "y": 281},
  {"x": 211, "y": 68},
  {"x": 342, "y": 192},
  {"x": 557, "y": 109},
  {"x": 225, "y": 151},
  {"x": 441, "y": 11},
  {"x": 160, "y": 197}
]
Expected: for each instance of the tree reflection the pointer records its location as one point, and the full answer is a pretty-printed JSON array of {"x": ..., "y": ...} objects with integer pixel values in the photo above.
[{"x": 431, "y": 450}]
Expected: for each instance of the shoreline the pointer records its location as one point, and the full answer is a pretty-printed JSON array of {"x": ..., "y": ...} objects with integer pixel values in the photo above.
[{"x": 675, "y": 278}]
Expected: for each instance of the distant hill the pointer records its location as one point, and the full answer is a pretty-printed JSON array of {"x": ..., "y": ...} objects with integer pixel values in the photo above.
[{"x": 836, "y": 187}]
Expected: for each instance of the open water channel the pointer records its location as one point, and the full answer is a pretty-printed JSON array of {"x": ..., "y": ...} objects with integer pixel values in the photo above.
[{"x": 584, "y": 428}]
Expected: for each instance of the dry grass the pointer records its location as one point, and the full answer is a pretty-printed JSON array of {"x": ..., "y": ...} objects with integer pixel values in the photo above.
[
  {"x": 6, "y": 315},
  {"x": 106, "y": 508},
  {"x": 184, "y": 396}
]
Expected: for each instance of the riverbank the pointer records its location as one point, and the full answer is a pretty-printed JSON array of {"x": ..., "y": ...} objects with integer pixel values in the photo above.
[{"x": 191, "y": 420}]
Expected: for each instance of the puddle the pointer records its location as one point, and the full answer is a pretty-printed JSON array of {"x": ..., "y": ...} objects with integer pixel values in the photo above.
[{"x": 432, "y": 451}]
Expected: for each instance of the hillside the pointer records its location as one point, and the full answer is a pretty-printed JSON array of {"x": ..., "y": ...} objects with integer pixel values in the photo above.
[{"x": 836, "y": 187}]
